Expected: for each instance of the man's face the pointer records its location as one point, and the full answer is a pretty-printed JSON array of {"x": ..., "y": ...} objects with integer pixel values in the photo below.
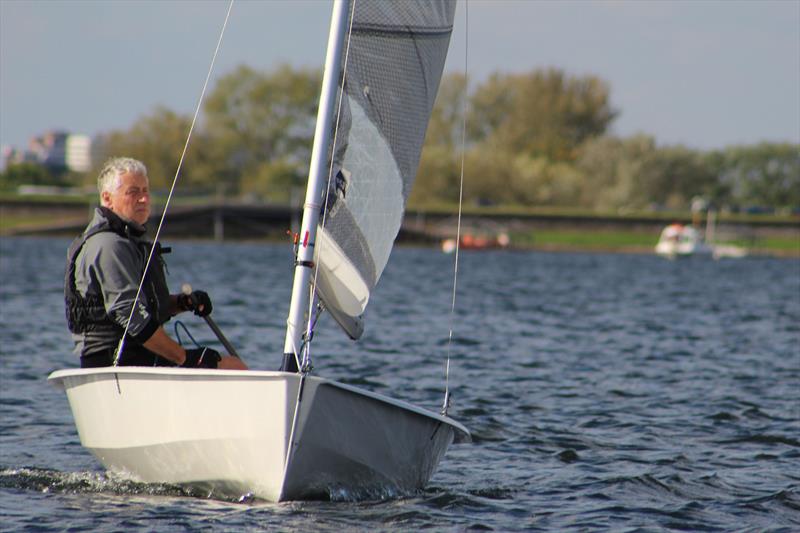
[{"x": 131, "y": 199}]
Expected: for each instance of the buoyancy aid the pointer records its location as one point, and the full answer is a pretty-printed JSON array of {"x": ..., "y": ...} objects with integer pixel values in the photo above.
[{"x": 86, "y": 315}]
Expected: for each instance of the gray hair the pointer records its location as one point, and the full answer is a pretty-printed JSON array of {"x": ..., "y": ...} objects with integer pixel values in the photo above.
[{"x": 108, "y": 180}]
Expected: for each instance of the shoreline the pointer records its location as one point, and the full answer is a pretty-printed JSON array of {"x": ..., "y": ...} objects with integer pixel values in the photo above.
[
  {"x": 543, "y": 248},
  {"x": 545, "y": 230}
]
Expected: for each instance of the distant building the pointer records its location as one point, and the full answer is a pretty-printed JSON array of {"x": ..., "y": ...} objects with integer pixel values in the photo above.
[
  {"x": 15, "y": 156},
  {"x": 79, "y": 153},
  {"x": 56, "y": 150},
  {"x": 5, "y": 156},
  {"x": 50, "y": 149}
]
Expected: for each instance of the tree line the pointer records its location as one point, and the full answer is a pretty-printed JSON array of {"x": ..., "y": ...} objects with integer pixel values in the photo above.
[{"x": 539, "y": 138}]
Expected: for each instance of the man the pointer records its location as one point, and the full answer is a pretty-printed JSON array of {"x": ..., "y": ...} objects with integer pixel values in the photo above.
[{"x": 105, "y": 267}]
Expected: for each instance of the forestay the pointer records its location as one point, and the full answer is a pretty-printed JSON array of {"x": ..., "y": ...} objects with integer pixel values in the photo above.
[{"x": 393, "y": 67}]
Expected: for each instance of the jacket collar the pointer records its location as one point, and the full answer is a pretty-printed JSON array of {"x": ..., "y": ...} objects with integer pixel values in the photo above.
[{"x": 120, "y": 225}]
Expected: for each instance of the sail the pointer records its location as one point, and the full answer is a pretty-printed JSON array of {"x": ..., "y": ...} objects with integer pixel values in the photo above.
[{"x": 391, "y": 74}]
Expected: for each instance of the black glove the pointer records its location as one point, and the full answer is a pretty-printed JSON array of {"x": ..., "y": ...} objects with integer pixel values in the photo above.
[
  {"x": 191, "y": 302},
  {"x": 202, "y": 358}
]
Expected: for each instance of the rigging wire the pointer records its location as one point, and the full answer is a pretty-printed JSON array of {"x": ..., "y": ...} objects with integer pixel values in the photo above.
[
  {"x": 311, "y": 319},
  {"x": 446, "y": 403},
  {"x": 121, "y": 344}
]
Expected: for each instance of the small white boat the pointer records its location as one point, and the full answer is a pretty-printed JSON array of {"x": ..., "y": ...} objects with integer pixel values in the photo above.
[
  {"x": 678, "y": 240},
  {"x": 284, "y": 435},
  {"x": 246, "y": 432}
]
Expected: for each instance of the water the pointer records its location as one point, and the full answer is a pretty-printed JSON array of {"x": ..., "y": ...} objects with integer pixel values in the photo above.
[{"x": 603, "y": 392}]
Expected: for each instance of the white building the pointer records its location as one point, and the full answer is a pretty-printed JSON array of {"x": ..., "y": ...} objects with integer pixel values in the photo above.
[
  {"x": 56, "y": 150},
  {"x": 79, "y": 153}
]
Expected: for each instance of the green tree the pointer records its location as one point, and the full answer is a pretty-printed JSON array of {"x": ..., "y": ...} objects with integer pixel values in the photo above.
[
  {"x": 501, "y": 176},
  {"x": 438, "y": 176},
  {"x": 258, "y": 123},
  {"x": 277, "y": 180},
  {"x": 523, "y": 131},
  {"x": 612, "y": 166},
  {"x": 447, "y": 117},
  {"x": 767, "y": 174},
  {"x": 542, "y": 113},
  {"x": 18, "y": 174},
  {"x": 158, "y": 140},
  {"x": 634, "y": 173},
  {"x": 672, "y": 176},
  {"x": 439, "y": 171}
]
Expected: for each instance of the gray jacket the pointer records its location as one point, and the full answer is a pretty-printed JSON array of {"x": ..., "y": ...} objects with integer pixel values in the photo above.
[{"x": 110, "y": 264}]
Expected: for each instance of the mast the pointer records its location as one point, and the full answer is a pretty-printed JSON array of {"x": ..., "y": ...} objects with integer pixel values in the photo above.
[{"x": 317, "y": 175}]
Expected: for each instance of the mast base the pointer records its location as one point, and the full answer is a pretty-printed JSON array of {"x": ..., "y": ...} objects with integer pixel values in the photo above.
[{"x": 289, "y": 363}]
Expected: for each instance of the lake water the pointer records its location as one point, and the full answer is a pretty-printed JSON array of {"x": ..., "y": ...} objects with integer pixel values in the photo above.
[{"x": 603, "y": 392}]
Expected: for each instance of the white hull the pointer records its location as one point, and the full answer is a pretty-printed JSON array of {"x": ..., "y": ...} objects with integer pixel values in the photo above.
[
  {"x": 673, "y": 250},
  {"x": 230, "y": 431},
  {"x": 729, "y": 251},
  {"x": 677, "y": 240}
]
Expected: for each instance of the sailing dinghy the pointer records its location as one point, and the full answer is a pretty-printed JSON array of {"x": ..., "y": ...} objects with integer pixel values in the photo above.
[{"x": 293, "y": 435}]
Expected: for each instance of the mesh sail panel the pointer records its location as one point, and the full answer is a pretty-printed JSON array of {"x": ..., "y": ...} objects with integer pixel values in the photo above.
[{"x": 394, "y": 64}]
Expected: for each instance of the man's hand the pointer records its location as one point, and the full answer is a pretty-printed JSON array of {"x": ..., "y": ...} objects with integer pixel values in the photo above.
[
  {"x": 197, "y": 301},
  {"x": 201, "y": 358}
]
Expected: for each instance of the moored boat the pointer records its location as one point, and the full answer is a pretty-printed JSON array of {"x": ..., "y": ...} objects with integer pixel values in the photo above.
[{"x": 679, "y": 240}]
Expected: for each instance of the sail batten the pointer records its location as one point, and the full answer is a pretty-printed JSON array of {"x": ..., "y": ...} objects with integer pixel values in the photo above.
[{"x": 394, "y": 65}]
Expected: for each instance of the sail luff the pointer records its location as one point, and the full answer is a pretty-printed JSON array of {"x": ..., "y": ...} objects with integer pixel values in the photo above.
[
  {"x": 396, "y": 55},
  {"x": 316, "y": 179}
]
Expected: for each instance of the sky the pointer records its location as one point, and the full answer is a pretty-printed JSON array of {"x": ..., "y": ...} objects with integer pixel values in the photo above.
[{"x": 704, "y": 74}]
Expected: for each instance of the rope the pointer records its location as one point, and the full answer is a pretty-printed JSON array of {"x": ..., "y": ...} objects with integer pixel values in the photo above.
[
  {"x": 312, "y": 321},
  {"x": 446, "y": 403},
  {"x": 172, "y": 188},
  {"x": 180, "y": 324}
]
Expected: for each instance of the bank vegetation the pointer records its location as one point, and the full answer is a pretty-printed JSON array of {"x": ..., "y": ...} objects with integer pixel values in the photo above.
[{"x": 534, "y": 139}]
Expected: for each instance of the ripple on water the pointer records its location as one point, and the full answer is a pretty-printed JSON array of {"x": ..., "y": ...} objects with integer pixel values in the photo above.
[{"x": 604, "y": 392}]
